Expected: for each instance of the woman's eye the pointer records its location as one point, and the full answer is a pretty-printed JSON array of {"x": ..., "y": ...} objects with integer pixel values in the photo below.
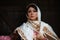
[
  {"x": 34, "y": 11},
  {"x": 29, "y": 11}
]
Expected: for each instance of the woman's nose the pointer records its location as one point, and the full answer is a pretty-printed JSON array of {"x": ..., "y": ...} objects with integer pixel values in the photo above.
[{"x": 31, "y": 12}]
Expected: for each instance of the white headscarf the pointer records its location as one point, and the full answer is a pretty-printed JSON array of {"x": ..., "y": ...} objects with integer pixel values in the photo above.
[{"x": 39, "y": 12}]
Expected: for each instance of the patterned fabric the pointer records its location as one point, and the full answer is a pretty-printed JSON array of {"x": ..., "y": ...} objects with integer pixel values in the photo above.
[
  {"x": 20, "y": 32},
  {"x": 36, "y": 32},
  {"x": 29, "y": 30}
]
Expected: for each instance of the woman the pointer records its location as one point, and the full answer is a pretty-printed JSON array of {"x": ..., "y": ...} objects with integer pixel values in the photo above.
[{"x": 34, "y": 28}]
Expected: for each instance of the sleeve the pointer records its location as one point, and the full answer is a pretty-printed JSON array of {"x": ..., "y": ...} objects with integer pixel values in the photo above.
[
  {"x": 20, "y": 33},
  {"x": 50, "y": 31},
  {"x": 15, "y": 35}
]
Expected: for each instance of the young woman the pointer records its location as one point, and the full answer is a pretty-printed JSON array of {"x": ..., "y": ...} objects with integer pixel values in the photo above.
[{"x": 34, "y": 28}]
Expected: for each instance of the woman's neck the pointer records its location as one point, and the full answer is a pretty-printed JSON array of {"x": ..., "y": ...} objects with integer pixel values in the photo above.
[{"x": 34, "y": 21}]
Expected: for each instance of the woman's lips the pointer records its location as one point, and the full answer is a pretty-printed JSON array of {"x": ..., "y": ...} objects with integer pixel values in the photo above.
[{"x": 32, "y": 16}]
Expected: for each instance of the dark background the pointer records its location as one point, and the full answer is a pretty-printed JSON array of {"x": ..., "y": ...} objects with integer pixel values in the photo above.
[{"x": 12, "y": 14}]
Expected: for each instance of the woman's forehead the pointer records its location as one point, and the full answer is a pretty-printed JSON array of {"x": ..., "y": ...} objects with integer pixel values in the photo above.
[{"x": 32, "y": 7}]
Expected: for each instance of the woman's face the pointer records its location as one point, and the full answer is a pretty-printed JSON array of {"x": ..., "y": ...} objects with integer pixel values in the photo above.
[{"x": 32, "y": 14}]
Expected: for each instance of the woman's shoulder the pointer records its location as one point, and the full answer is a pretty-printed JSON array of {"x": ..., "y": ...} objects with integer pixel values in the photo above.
[
  {"x": 20, "y": 27},
  {"x": 45, "y": 24}
]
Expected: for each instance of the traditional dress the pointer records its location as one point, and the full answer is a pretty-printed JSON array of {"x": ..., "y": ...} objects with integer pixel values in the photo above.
[{"x": 36, "y": 30}]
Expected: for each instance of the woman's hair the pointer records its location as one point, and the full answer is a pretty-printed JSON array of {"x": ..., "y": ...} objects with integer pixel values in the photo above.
[{"x": 31, "y": 5}]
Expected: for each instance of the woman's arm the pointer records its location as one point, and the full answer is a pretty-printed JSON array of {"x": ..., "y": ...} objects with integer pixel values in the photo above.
[
  {"x": 14, "y": 35},
  {"x": 50, "y": 31}
]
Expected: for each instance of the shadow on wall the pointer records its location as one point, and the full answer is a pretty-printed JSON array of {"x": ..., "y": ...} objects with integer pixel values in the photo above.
[{"x": 10, "y": 19}]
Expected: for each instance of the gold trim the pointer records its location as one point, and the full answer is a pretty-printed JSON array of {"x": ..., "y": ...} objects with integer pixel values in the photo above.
[
  {"x": 20, "y": 32},
  {"x": 47, "y": 32},
  {"x": 37, "y": 29},
  {"x": 35, "y": 26}
]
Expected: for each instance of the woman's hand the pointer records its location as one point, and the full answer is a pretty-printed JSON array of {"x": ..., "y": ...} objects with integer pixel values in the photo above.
[{"x": 39, "y": 36}]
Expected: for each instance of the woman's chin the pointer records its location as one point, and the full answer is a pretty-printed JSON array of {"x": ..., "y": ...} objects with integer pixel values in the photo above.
[{"x": 33, "y": 19}]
